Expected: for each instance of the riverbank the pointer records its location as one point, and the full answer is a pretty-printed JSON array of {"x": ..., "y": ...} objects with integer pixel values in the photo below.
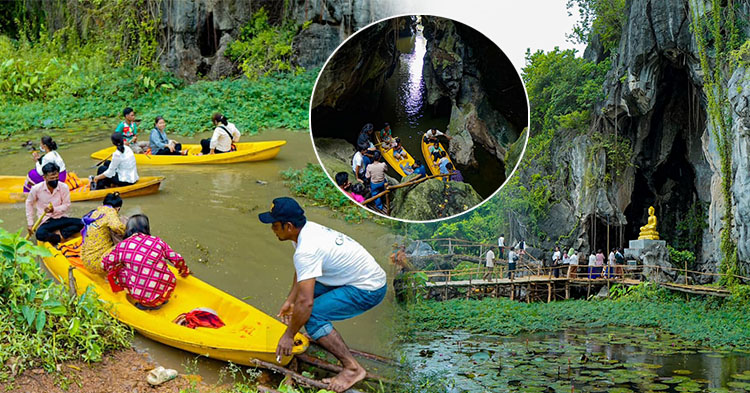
[{"x": 705, "y": 322}]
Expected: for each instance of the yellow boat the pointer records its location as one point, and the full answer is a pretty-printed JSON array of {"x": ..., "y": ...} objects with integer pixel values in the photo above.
[
  {"x": 248, "y": 332},
  {"x": 434, "y": 167},
  {"x": 11, "y": 189},
  {"x": 246, "y": 152},
  {"x": 391, "y": 160}
]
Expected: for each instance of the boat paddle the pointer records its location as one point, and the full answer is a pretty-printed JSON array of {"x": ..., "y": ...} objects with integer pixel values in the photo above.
[
  {"x": 37, "y": 223},
  {"x": 102, "y": 161}
]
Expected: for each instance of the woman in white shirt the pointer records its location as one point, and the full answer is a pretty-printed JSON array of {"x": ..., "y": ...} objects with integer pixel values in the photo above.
[
  {"x": 49, "y": 148},
  {"x": 119, "y": 172},
  {"x": 224, "y": 137}
]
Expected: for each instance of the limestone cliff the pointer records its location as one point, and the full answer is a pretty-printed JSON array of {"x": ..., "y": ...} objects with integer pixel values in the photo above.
[
  {"x": 655, "y": 100},
  {"x": 486, "y": 95}
]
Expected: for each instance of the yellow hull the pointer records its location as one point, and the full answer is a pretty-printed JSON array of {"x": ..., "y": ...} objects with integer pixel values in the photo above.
[
  {"x": 11, "y": 189},
  {"x": 433, "y": 167},
  {"x": 391, "y": 160},
  {"x": 246, "y": 152},
  {"x": 248, "y": 332}
]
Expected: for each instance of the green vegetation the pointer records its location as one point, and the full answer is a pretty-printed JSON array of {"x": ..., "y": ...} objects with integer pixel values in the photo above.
[
  {"x": 264, "y": 49},
  {"x": 680, "y": 259},
  {"x": 717, "y": 37},
  {"x": 602, "y": 18},
  {"x": 709, "y": 322},
  {"x": 103, "y": 57},
  {"x": 40, "y": 322},
  {"x": 313, "y": 183}
]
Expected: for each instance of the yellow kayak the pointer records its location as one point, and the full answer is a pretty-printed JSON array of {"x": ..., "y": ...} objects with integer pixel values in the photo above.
[
  {"x": 11, "y": 189},
  {"x": 246, "y": 152},
  {"x": 391, "y": 160},
  {"x": 432, "y": 165},
  {"x": 248, "y": 332}
]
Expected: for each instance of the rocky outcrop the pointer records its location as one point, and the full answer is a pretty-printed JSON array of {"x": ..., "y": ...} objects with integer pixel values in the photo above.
[
  {"x": 433, "y": 199},
  {"x": 194, "y": 33},
  {"x": 465, "y": 67},
  {"x": 657, "y": 267},
  {"x": 655, "y": 101}
]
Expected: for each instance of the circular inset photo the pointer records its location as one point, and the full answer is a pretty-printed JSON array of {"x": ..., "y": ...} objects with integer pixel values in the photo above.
[{"x": 419, "y": 117}]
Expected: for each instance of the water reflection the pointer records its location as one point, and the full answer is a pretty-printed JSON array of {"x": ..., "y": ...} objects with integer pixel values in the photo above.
[{"x": 412, "y": 92}]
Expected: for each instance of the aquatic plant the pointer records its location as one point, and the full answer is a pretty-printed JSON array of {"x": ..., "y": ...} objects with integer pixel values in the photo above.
[
  {"x": 312, "y": 182},
  {"x": 41, "y": 324},
  {"x": 698, "y": 321}
]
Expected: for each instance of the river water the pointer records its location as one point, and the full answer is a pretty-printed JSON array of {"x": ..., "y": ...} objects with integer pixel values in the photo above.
[
  {"x": 404, "y": 106},
  {"x": 599, "y": 360},
  {"x": 209, "y": 214}
]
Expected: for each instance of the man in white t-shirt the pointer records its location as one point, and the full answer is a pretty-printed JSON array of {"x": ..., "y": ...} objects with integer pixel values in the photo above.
[
  {"x": 335, "y": 279},
  {"x": 573, "y": 265},
  {"x": 501, "y": 245},
  {"x": 430, "y": 136}
]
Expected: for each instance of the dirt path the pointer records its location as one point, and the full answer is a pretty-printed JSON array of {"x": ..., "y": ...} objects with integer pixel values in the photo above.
[{"x": 119, "y": 372}]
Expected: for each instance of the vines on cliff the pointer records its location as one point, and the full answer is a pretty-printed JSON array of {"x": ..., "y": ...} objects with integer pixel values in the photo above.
[{"x": 716, "y": 35}]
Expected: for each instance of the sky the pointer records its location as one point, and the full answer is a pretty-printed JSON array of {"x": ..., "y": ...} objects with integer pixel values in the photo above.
[{"x": 513, "y": 25}]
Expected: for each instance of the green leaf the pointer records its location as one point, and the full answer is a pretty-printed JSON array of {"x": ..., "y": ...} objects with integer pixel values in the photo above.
[{"x": 41, "y": 319}]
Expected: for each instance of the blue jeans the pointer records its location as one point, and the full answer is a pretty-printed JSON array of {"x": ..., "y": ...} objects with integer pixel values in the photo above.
[
  {"x": 337, "y": 304},
  {"x": 375, "y": 189}
]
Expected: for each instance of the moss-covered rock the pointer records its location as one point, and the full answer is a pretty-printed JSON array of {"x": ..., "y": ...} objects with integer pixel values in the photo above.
[{"x": 433, "y": 199}]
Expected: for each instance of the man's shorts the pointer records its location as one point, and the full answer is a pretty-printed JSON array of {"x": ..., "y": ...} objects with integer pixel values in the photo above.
[{"x": 339, "y": 303}]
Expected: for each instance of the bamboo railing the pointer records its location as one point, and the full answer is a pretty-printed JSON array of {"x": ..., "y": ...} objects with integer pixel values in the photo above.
[{"x": 388, "y": 188}]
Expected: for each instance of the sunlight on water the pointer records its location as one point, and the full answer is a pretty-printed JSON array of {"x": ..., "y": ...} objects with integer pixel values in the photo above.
[{"x": 412, "y": 92}]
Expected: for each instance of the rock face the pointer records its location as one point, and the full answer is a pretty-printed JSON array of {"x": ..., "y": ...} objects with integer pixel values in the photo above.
[
  {"x": 195, "y": 33},
  {"x": 433, "y": 199},
  {"x": 655, "y": 101},
  {"x": 488, "y": 103},
  {"x": 657, "y": 255}
]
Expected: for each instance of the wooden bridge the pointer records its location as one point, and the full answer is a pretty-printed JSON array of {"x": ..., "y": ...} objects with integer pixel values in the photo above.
[{"x": 531, "y": 281}]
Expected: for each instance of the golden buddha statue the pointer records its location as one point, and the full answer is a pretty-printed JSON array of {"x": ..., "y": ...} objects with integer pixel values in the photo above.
[{"x": 648, "y": 231}]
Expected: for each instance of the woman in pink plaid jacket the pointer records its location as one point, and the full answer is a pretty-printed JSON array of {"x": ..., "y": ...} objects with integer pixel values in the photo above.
[{"x": 139, "y": 264}]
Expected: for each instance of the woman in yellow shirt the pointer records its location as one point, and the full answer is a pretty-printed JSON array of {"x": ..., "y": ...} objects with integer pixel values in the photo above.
[{"x": 100, "y": 225}]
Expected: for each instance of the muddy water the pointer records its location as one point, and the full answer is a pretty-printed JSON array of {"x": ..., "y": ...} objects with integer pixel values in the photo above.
[
  {"x": 599, "y": 360},
  {"x": 404, "y": 106},
  {"x": 209, "y": 215}
]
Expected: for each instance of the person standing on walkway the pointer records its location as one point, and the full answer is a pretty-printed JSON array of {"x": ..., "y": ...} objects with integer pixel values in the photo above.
[
  {"x": 556, "y": 259},
  {"x": 573, "y": 265},
  {"x": 592, "y": 265},
  {"x": 335, "y": 279},
  {"x": 512, "y": 258},
  {"x": 489, "y": 265},
  {"x": 501, "y": 246}
]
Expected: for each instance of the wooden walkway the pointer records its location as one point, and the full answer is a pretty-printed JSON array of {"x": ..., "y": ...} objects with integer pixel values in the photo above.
[{"x": 536, "y": 283}]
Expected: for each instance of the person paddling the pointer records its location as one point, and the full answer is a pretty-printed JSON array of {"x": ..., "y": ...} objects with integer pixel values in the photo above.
[{"x": 335, "y": 279}]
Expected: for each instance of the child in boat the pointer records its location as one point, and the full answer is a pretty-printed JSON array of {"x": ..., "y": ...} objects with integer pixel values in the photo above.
[
  {"x": 456, "y": 174},
  {"x": 138, "y": 264},
  {"x": 435, "y": 150},
  {"x": 49, "y": 148},
  {"x": 100, "y": 225},
  {"x": 419, "y": 168},
  {"x": 386, "y": 138},
  {"x": 129, "y": 130},
  {"x": 398, "y": 151},
  {"x": 406, "y": 168}
]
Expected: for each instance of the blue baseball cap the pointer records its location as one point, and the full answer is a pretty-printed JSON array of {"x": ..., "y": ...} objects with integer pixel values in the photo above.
[{"x": 283, "y": 209}]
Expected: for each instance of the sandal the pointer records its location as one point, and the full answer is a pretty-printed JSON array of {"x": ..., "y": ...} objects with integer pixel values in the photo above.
[{"x": 160, "y": 375}]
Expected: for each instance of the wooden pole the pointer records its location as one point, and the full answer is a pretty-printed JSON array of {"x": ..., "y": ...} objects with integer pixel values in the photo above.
[
  {"x": 549, "y": 292},
  {"x": 567, "y": 290}
]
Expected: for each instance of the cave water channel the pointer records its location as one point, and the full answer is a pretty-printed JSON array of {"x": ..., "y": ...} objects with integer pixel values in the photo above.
[
  {"x": 403, "y": 105},
  {"x": 209, "y": 214},
  {"x": 613, "y": 359}
]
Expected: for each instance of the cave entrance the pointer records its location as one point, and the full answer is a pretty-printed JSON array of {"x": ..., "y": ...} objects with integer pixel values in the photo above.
[
  {"x": 208, "y": 36},
  {"x": 604, "y": 233},
  {"x": 665, "y": 175}
]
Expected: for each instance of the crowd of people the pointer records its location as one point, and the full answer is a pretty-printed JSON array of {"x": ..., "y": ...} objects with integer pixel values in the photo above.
[
  {"x": 122, "y": 248},
  {"x": 120, "y": 168},
  {"x": 369, "y": 168},
  {"x": 570, "y": 261}
]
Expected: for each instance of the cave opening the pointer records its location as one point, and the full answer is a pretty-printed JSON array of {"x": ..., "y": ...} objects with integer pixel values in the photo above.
[
  {"x": 208, "y": 36},
  {"x": 666, "y": 167}
]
